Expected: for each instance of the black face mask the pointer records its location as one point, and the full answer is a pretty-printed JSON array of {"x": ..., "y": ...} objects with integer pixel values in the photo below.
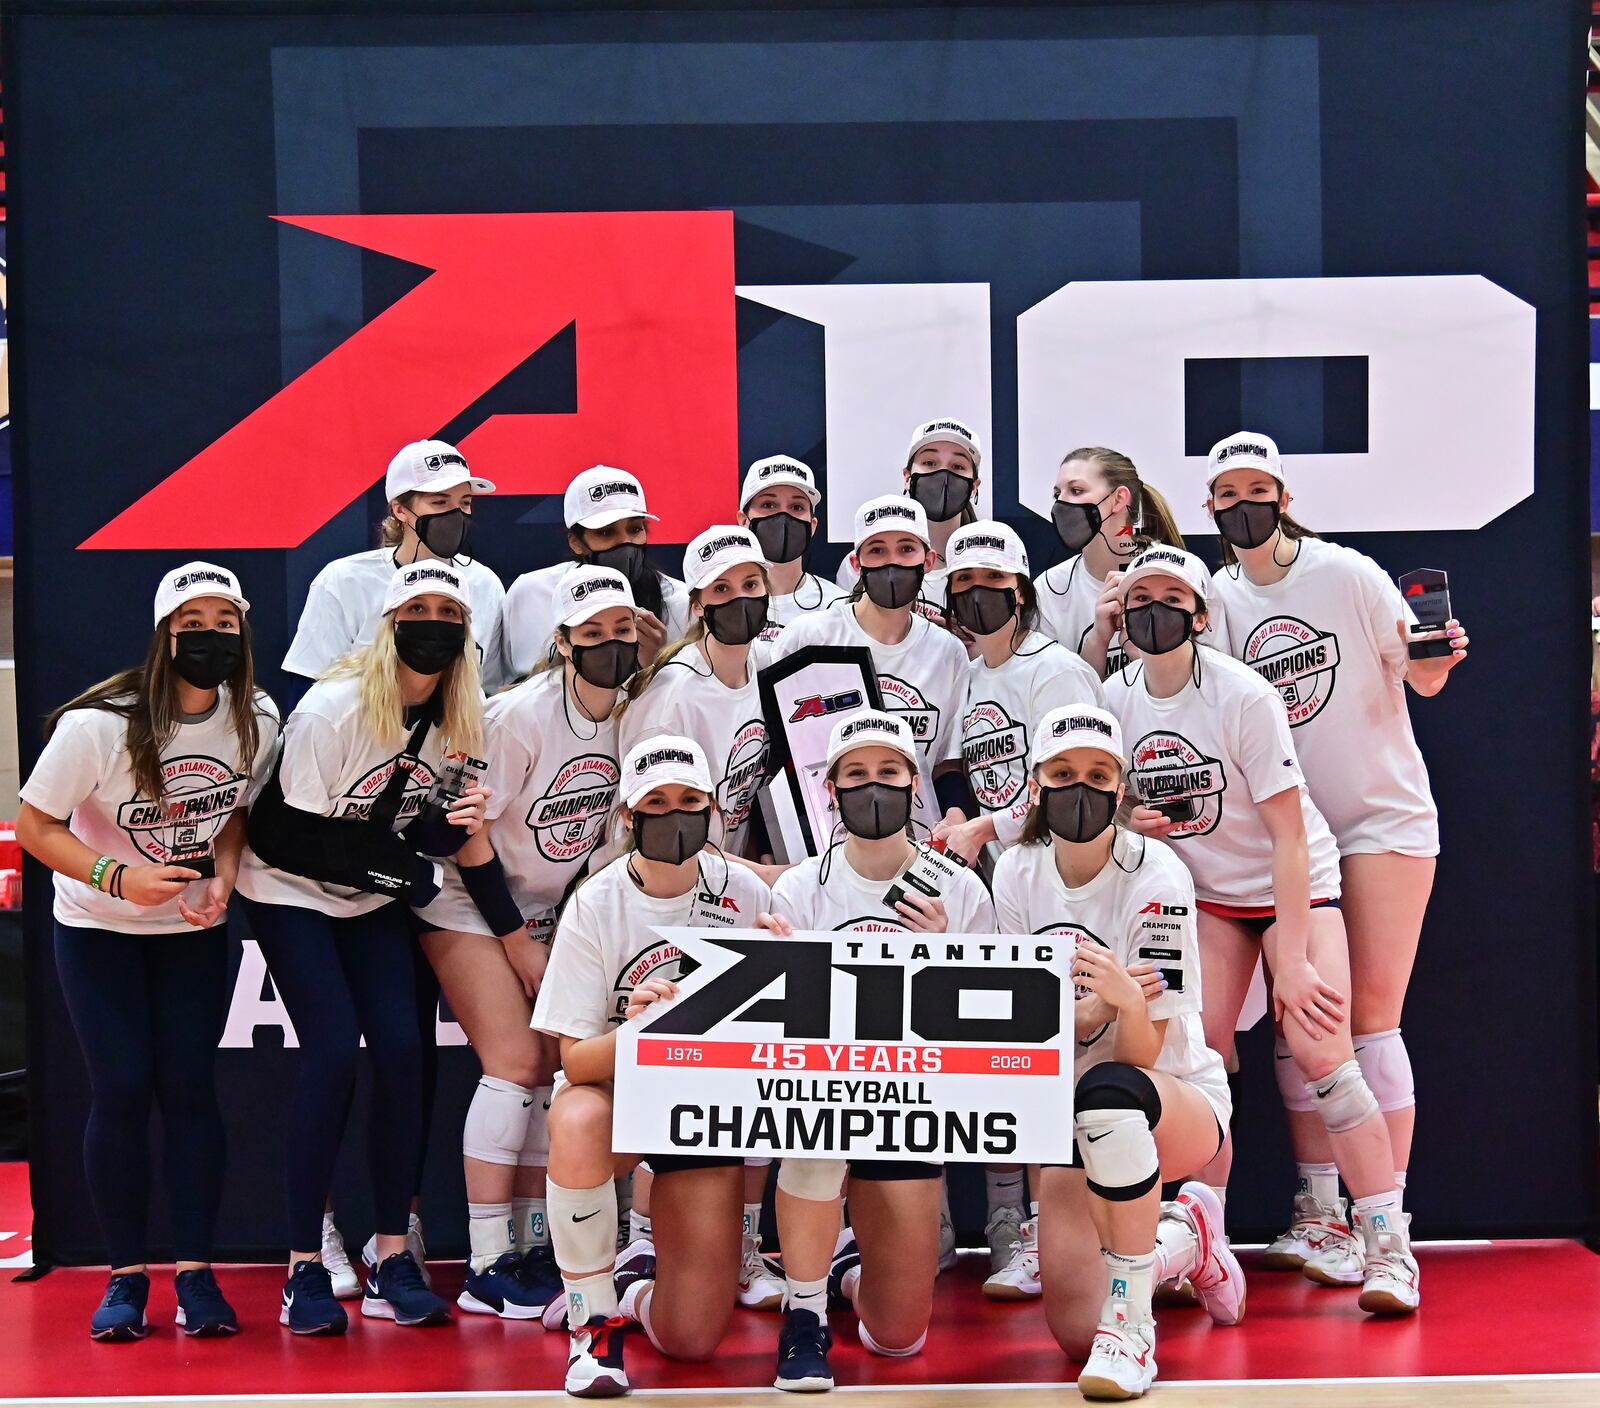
[
  {"x": 892, "y": 587},
  {"x": 206, "y": 658},
  {"x": 737, "y": 622},
  {"x": 1157, "y": 628},
  {"x": 782, "y": 536},
  {"x": 607, "y": 665},
  {"x": 874, "y": 810},
  {"x": 671, "y": 837},
  {"x": 984, "y": 610},
  {"x": 1077, "y": 812},
  {"x": 626, "y": 558},
  {"x": 1076, "y": 524},
  {"x": 429, "y": 647},
  {"x": 1248, "y": 523},
  {"x": 445, "y": 534},
  {"x": 942, "y": 493}
]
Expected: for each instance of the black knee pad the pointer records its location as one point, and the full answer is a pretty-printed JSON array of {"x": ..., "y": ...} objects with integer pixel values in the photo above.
[{"x": 1113, "y": 1085}]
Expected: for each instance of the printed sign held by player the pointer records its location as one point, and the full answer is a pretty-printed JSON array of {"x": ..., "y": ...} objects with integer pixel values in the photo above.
[{"x": 953, "y": 1047}]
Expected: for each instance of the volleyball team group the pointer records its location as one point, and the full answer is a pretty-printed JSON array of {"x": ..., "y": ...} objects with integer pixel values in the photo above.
[{"x": 503, "y": 794}]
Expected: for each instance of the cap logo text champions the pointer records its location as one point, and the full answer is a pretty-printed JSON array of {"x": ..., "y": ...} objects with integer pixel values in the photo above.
[
  {"x": 783, "y": 467},
  {"x": 190, "y": 578},
  {"x": 440, "y": 461},
  {"x": 663, "y": 755},
  {"x": 870, "y": 724},
  {"x": 1244, "y": 447},
  {"x": 616, "y": 486},
  {"x": 431, "y": 574},
  {"x": 730, "y": 540},
  {"x": 889, "y": 511},
  {"x": 954, "y": 425},
  {"x": 1080, "y": 722},
  {"x": 984, "y": 540}
]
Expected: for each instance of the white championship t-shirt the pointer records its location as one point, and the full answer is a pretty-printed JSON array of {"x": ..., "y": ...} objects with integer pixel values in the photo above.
[
  {"x": 83, "y": 777},
  {"x": 1002, "y": 707},
  {"x": 333, "y": 767},
  {"x": 1224, "y": 744},
  {"x": 345, "y": 603},
  {"x": 812, "y": 595},
  {"x": 1067, "y": 595},
  {"x": 604, "y": 947},
  {"x": 532, "y": 613},
  {"x": 686, "y": 699},
  {"x": 552, "y": 781},
  {"x": 1141, "y": 907},
  {"x": 923, "y": 679},
  {"x": 846, "y": 900},
  {"x": 1324, "y": 636}
]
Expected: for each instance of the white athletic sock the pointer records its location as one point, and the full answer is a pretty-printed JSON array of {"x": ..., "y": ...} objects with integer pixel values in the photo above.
[
  {"x": 1400, "y": 1186},
  {"x": 1033, "y": 1209},
  {"x": 1222, "y": 1194},
  {"x": 752, "y": 1220},
  {"x": 589, "y": 1296},
  {"x": 1132, "y": 1279},
  {"x": 1177, "y": 1251},
  {"x": 642, "y": 1295},
  {"x": 491, "y": 1232},
  {"x": 1004, "y": 1188},
  {"x": 807, "y": 1295},
  {"x": 638, "y": 1224},
  {"x": 533, "y": 1223},
  {"x": 1381, "y": 1211},
  {"x": 1321, "y": 1181}
]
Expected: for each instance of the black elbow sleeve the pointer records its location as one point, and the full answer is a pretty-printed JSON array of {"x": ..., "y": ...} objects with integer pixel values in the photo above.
[{"x": 486, "y": 884}]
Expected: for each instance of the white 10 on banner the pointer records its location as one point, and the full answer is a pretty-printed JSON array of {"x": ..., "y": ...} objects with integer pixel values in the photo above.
[{"x": 952, "y": 1048}]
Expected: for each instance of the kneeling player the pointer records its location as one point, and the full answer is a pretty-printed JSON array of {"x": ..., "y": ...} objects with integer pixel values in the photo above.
[
  {"x": 1151, "y": 1096},
  {"x": 607, "y": 965}
]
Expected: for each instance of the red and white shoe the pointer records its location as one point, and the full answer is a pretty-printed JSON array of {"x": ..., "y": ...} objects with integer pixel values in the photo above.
[
  {"x": 1217, "y": 1277},
  {"x": 1122, "y": 1362},
  {"x": 594, "y": 1367},
  {"x": 758, "y": 1289},
  {"x": 1342, "y": 1260},
  {"x": 1308, "y": 1233},
  {"x": 1018, "y": 1279},
  {"x": 1393, "y": 1283}
]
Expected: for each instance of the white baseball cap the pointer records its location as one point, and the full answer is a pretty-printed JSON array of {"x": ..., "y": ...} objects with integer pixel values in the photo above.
[
  {"x": 987, "y": 543},
  {"x": 423, "y": 579},
  {"x": 430, "y": 466},
  {"x": 654, "y": 762},
  {"x": 1160, "y": 560},
  {"x": 891, "y": 513},
  {"x": 1246, "y": 450},
  {"x": 720, "y": 547},
  {"x": 586, "y": 590},
  {"x": 779, "y": 469},
  {"x": 1077, "y": 726},
  {"x": 869, "y": 728},
  {"x": 196, "y": 579},
  {"x": 946, "y": 428},
  {"x": 603, "y": 495}
]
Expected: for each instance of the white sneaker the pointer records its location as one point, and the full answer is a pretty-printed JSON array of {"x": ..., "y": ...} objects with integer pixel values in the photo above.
[
  {"x": 414, "y": 1244},
  {"x": 1018, "y": 1279},
  {"x": 1122, "y": 1361},
  {"x": 1218, "y": 1279},
  {"x": 594, "y": 1363},
  {"x": 1002, "y": 1232},
  {"x": 759, "y": 1289},
  {"x": 1392, "y": 1285},
  {"x": 1341, "y": 1259},
  {"x": 346, "y": 1284},
  {"x": 947, "y": 1241},
  {"x": 1308, "y": 1234}
]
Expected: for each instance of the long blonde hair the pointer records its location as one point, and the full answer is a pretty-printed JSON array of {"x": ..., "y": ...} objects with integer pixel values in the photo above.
[
  {"x": 383, "y": 712},
  {"x": 1148, "y": 511}
]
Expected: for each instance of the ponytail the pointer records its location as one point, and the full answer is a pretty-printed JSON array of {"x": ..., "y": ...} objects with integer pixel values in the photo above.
[{"x": 643, "y": 679}]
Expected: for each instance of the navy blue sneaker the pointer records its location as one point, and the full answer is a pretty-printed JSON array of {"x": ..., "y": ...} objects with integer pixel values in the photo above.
[
  {"x": 202, "y": 1308},
  {"x": 121, "y": 1313},
  {"x": 803, "y": 1345},
  {"x": 541, "y": 1274},
  {"x": 500, "y": 1290},
  {"x": 309, "y": 1306},
  {"x": 397, "y": 1292},
  {"x": 846, "y": 1256}
]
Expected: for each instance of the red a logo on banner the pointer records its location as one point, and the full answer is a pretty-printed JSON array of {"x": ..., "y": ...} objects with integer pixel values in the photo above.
[{"x": 652, "y": 296}]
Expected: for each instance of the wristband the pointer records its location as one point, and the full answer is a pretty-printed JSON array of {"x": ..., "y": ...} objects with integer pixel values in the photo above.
[
  {"x": 116, "y": 881},
  {"x": 97, "y": 872}
]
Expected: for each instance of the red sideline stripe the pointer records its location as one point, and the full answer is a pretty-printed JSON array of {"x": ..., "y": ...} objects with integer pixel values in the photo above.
[{"x": 782, "y": 1057}]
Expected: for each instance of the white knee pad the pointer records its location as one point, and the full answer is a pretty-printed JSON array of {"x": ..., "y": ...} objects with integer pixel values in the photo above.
[
  {"x": 1387, "y": 1067},
  {"x": 1291, "y": 1083},
  {"x": 536, "y": 1142},
  {"x": 1342, "y": 1098},
  {"x": 1118, "y": 1152},
  {"x": 497, "y": 1121},
  {"x": 815, "y": 1180},
  {"x": 915, "y": 1347}
]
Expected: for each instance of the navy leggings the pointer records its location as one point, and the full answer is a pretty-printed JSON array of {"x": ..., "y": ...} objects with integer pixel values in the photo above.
[
  {"x": 341, "y": 980},
  {"x": 149, "y": 1010}
]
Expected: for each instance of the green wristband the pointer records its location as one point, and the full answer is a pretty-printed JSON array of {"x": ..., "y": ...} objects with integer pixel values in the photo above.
[{"x": 97, "y": 872}]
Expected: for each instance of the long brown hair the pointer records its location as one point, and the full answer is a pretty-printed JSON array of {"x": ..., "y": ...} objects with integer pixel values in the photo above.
[
  {"x": 147, "y": 697},
  {"x": 642, "y": 679},
  {"x": 1148, "y": 510}
]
